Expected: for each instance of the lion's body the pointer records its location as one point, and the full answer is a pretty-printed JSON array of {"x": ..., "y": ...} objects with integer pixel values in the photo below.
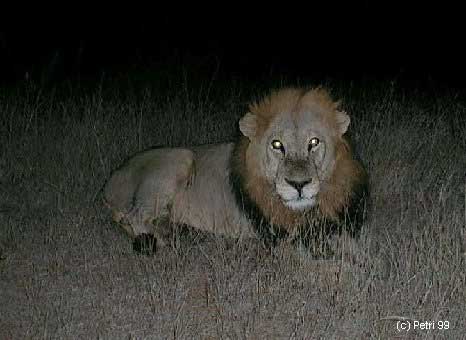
[
  {"x": 291, "y": 170},
  {"x": 190, "y": 187},
  {"x": 208, "y": 203}
]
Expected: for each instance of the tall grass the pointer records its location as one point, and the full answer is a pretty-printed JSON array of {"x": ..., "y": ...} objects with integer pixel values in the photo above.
[{"x": 67, "y": 272}]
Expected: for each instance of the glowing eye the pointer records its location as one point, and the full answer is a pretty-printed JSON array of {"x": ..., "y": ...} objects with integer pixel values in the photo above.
[
  {"x": 277, "y": 145},
  {"x": 313, "y": 142}
]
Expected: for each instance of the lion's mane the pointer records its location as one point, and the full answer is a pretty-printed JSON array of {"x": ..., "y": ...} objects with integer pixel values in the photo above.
[{"x": 341, "y": 203}]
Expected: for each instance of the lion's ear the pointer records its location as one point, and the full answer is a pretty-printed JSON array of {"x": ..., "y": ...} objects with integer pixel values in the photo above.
[
  {"x": 343, "y": 121},
  {"x": 248, "y": 125}
]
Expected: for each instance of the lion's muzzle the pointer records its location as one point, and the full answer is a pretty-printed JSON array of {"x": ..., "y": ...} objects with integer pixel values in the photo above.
[
  {"x": 298, "y": 194},
  {"x": 298, "y": 185}
]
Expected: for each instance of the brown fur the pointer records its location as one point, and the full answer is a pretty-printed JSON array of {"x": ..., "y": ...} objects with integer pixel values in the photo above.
[
  {"x": 293, "y": 100},
  {"x": 335, "y": 193}
]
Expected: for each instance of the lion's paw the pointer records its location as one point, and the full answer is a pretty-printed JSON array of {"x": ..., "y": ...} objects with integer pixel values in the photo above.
[{"x": 145, "y": 244}]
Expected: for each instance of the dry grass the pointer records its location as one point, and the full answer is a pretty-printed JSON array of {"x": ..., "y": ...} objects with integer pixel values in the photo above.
[{"x": 67, "y": 272}]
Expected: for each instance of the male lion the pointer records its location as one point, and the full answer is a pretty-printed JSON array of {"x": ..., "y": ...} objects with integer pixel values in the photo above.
[{"x": 290, "y": 174}]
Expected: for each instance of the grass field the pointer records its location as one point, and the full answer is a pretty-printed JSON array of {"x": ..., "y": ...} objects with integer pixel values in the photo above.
[{"x": 66, "y": 272}]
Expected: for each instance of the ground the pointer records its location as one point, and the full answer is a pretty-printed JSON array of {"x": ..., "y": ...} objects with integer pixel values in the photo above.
[{"x": 66, "y": 271}]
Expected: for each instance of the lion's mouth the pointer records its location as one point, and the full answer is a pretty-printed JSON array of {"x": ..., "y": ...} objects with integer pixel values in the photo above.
[{"x": 300, "y": 203}]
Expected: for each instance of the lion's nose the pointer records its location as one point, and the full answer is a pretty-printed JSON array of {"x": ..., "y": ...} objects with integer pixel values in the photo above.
[{"x": 298, "y": 185}]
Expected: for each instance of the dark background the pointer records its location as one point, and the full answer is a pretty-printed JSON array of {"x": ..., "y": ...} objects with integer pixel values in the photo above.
[{"x": 416, "y": 45}]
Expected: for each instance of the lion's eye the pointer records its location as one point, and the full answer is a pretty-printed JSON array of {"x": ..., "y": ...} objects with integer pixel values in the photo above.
[
  {"x": 313, "y": 143},
  {"x": 277, "y": 145}
]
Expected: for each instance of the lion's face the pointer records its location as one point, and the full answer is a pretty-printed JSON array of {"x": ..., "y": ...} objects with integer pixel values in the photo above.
[{"x": 295, "y": 152}]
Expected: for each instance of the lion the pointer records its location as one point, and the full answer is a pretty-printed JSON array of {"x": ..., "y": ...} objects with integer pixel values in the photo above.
[{"x": 290, "y": 175}]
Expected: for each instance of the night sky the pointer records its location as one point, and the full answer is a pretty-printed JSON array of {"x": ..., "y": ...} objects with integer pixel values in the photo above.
[{"x": 385, "y": 41}]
